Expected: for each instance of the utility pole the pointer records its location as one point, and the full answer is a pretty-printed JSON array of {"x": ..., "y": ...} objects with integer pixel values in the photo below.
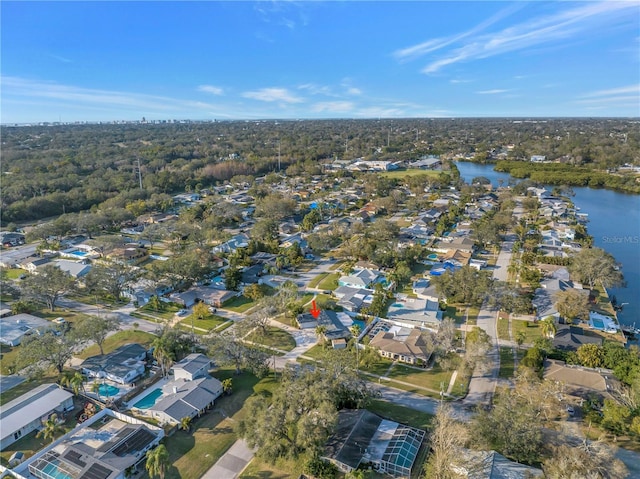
[{"x": 139, "y": 173}]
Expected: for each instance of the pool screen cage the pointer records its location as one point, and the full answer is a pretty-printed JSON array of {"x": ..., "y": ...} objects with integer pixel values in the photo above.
[
  {"x": 50, "y": 466},
  {"x": 401, "y": 452}
]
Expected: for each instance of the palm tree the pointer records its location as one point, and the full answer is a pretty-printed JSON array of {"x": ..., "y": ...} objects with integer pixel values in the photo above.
[
  {"x": 95, "y": 388},
  {"x": 355, "y": 332},
  {"x": 157, "y": 461},
  {"x": 51, "y": 428},
  {"x": 548, "y": 327},
  {"x": 74, "y": 382},
  {"x": 320, "y": 330},
  {"x": 227, "y": 385},
  {"x": 520, "y": 337},
  {"x": 162, "y": 354},
  {"x": 185, "y": 423}
]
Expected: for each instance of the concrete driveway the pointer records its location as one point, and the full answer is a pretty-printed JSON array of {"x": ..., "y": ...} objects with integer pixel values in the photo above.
[{"x": 232, "y": 463}]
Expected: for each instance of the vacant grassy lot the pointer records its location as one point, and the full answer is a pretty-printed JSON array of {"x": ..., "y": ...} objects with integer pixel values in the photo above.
[
  {"x": 118, "y": 339},
  {"x": 209, "y": 322},
  {"x": 275, "y": 338},
  {"x": 239, "y": 304},
  {"x": 507, "y": 366},
  {"x": 282, "y": 469},
  {"x": 15, "y": 273},
  {"x": 411, "y": 172},
  {"x": 329, "y": 282},
  {"x": 430, "y": 379},
  {"x": 531, "y": 330},
  {"x": 165, "y": 311},
  {"x": 22, "y": 388},
  {"x": 401, "y": 414}
]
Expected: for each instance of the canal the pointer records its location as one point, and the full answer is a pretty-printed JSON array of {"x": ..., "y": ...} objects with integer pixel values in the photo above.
[{"x": 614, "y": 223}]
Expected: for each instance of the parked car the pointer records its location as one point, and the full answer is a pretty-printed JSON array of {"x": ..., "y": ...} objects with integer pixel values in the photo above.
[
  {"x": 571, "y": 411},
  {"x": 183, "y": 312}
]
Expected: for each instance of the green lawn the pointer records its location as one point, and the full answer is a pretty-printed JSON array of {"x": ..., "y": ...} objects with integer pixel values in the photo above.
[
  {"x": 15, "y": 273},
  {"x": 503, "y": 328},
  {"x": 401, "y": 414},
  {"x": 50, "y": 376},
  {"x": 275, "y": 338},
  {"x": 118, "y": 339},
  {"x": 8, "y": 356},
  {"x": 531, "y": 330},
  {"x": 329, "y": 282},
  {"x": 459, "y": 314},
  {"x": 315, "y": 281},
  {"x": 209, "y": 322},
  {"x": 282, "y": 469},
  {"x": 166, "y": 310},
  {"x": 400, "y": 174},
  {"x": 430, "y": 379},
  {"x": 507, "y": 366},
  {"x": 239, "y": 304},
  {"x": 336, "y": 266}
]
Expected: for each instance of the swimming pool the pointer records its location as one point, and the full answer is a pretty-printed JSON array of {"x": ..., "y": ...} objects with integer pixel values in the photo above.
[
  {"x": 79, "y": 253},
  {"x": 108, "y": 390},
  {"x": 397, "y": 305},
  {"x": 52, "y": 470},
  {"x": 149, "y": 400},
  {"x": 432, "y": 256}
]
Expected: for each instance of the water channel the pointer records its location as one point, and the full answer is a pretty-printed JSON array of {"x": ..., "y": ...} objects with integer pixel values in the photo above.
[{"x": 614, "y": 223}]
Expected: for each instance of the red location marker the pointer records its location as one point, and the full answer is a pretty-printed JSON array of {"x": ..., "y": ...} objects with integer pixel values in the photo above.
[{"x": 315, "y": 311}]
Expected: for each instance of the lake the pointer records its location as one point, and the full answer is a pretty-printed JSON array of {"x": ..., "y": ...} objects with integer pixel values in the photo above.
[{"x": 614, "y": 223}]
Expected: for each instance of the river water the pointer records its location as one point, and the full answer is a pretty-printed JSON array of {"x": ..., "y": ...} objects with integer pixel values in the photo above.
[{"x": 614, "y": 223}]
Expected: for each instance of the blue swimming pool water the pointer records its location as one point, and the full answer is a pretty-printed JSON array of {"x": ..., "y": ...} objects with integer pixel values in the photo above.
[
  {"x": 79, "y": 253},
  {"x": 53, "y": 471},
  {"x": 397, "y": 305},
  {"x": 108, "y": 390},
  {"x": 149, "y": 400},
  {"x": 432, "y": 256}
]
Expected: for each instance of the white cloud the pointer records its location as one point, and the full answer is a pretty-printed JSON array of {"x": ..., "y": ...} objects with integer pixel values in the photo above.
[
  {"x": 456, "y": 81},
  {"x": 314, "y": 89},
  {"x": 354, "y": 91},
  {"x": 429, "y": 46},
  {"x": 272, "y": 94},
  {"x": 495, "y": 91},
  {"x": 78, "y": 97},
  {"x": 572, "y": 22},
  {"x": 214, "y": 90},
  {"x": 333, "y": 106},
  {"x": 615, "y": 91}
]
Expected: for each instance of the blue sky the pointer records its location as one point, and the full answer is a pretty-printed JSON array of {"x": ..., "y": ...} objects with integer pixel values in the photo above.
[{"x": 77, "y": 61}]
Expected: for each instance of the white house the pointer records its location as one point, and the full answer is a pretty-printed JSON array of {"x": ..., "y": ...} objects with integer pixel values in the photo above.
[
  {"x": 191, "y": 367},
  {"x": 28, "y": 412},
  {"x": 14, "y": 328}
]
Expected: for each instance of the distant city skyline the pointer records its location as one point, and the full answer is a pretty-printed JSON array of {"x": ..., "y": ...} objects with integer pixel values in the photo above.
[{"x": 122, "y": 61}]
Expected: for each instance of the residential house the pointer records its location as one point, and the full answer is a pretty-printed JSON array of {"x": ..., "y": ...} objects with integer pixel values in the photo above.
[
  {"x": 143, "y": 289},
  {"x": 415, "y": 313},
  {"x": 544, "y": 297},
  {"x": 465, "y": 245},
  {"x": 184, "y": 398},
  {"x": 77, "y": 269},
  {"x": 429, "y": 162},
  {"x": 252, "y": 274},
  {"x": 579, "y": 381},
  {"x": 570, "y": 338},
  {"x": 362, "y": 437},
  {"x": 471, "y": 464},
  {"x": 238, "y": 241},
  {"x": 336, "y": 325},
  {"x": 353, "y": 299},
  {"x": 192, "y": 367},
  {"x": 213, "y": 296},
  {"x": 109, "y": 445},
  {"x": 32, "y": 263},
  {"x": 122, "y": 365},
  {"x": 14, "y": 328},
  {"x": 402, "y": 344},
  {"x": 538, "y": 159},
  {"x": 28, "y": 412},
  {"x": 361, "y": 278},
  {"x": 423, "y": 289}
]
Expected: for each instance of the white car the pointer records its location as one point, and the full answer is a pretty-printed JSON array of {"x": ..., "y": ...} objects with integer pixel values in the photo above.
[{"x": 183, "y": 312}]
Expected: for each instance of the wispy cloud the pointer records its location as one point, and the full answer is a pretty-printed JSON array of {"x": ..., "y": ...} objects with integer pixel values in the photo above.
[
  {"x": 333, "y": 106},
  {"x": 456, "y": 81},
  {"x": 214, "y": 90},
  {"x": 544, "y": 29},
  {"x": 416, "y": 51},
  {"x": 71, "y": 96},
  {"x": 495, "y": 91},
  {"x": 626, "y": 95},
  {"x": 273, "y": 94},
  {"x": 61, "y": 59}
]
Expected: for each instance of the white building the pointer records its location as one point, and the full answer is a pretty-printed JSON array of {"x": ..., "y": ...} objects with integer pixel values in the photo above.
[{"x": 29, "y": 412}]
